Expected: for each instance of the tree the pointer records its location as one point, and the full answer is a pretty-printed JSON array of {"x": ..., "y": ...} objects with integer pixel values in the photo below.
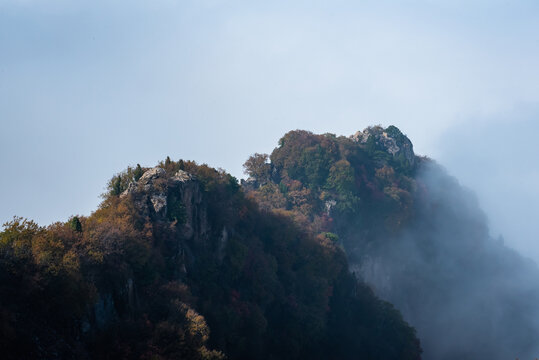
[
  {"x": 117, "y": 185},
  {"x": 341, "y": 177},
  {"x": 75, "y": 224},
  {"x": 138, "y": 172},
  {"x": 258, "y": 168}
]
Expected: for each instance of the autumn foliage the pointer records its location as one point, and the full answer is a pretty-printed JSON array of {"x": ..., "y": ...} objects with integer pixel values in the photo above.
[{"x": 256, "y": 284}]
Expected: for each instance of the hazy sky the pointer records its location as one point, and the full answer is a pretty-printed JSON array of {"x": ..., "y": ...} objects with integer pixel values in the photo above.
[{"x": 89, "y": 87}]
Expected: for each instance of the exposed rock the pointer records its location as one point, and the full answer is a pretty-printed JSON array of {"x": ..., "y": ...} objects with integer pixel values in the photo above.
[
  {"x": 176, "y": 198},
  {"x": 361, "y": 136},
  {"x": 159, "y": 202},
  {"x": 182, "y": 176},
  {"x": 145, "y": 182},
  {"x": 390, "y": 140},
  {"x": 223, "y": 240},
  {"x": 389, "y": 143},
  {"x": 131, "y": 188},
  {"x": 329, "y": 204},
  {"x": 196, "y": 224},
  {"x": 150, "y": 175},
  {"x": 153, "y": 200}
]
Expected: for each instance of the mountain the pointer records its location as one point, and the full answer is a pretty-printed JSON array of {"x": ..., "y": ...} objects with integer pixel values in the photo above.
[
  {"x": 178, "y": 263},
  {"x": 412, "y": 233}
]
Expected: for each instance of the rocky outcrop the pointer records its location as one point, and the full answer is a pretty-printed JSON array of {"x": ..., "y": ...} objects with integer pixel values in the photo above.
[
  {"x": 159, "y": 203},
  {"x": 329, "y": 204},
  {"x": 149, "y": 199},
  {"x": 149, "y": 177},
  {"x": 390, "y": 140},
  {"x": 222, "y": 242},
  {"x": 161, "y": 197},
  {"x": 178, "y": 199},
  {"x": 182, "y": 176}
]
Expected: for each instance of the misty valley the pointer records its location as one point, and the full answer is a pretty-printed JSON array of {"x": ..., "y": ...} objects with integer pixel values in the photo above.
[{"x": 333, "y": 247}]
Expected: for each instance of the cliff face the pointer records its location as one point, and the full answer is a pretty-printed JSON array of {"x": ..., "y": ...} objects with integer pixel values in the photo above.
[
  {"x": 177, "y": 262},
  {"x": 159, "y": 196},
  {"x": 178, "y": 198},
  {"x": 414, "y": 235}
]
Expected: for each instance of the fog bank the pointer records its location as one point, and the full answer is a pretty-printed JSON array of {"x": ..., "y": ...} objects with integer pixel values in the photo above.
[
  {"x": 468, "y": 295},
  {"x": 497, "y": 158}
]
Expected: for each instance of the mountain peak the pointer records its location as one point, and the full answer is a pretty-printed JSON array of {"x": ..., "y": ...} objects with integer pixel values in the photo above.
[{"x": 389, "y": 139}]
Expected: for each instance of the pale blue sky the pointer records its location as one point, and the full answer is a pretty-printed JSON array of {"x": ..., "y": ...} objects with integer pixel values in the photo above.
[{"x": 90, "y": 87}]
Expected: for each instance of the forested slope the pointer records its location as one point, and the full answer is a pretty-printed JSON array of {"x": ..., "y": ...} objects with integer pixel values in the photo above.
[{"x": 178, "y": 264}]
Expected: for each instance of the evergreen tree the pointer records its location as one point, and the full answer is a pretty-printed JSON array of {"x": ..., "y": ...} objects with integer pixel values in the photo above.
[
  {"x": 117, "y": 186},
  {"x": 138, "y": 172},
  {"x": 75, "y": 224}
]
